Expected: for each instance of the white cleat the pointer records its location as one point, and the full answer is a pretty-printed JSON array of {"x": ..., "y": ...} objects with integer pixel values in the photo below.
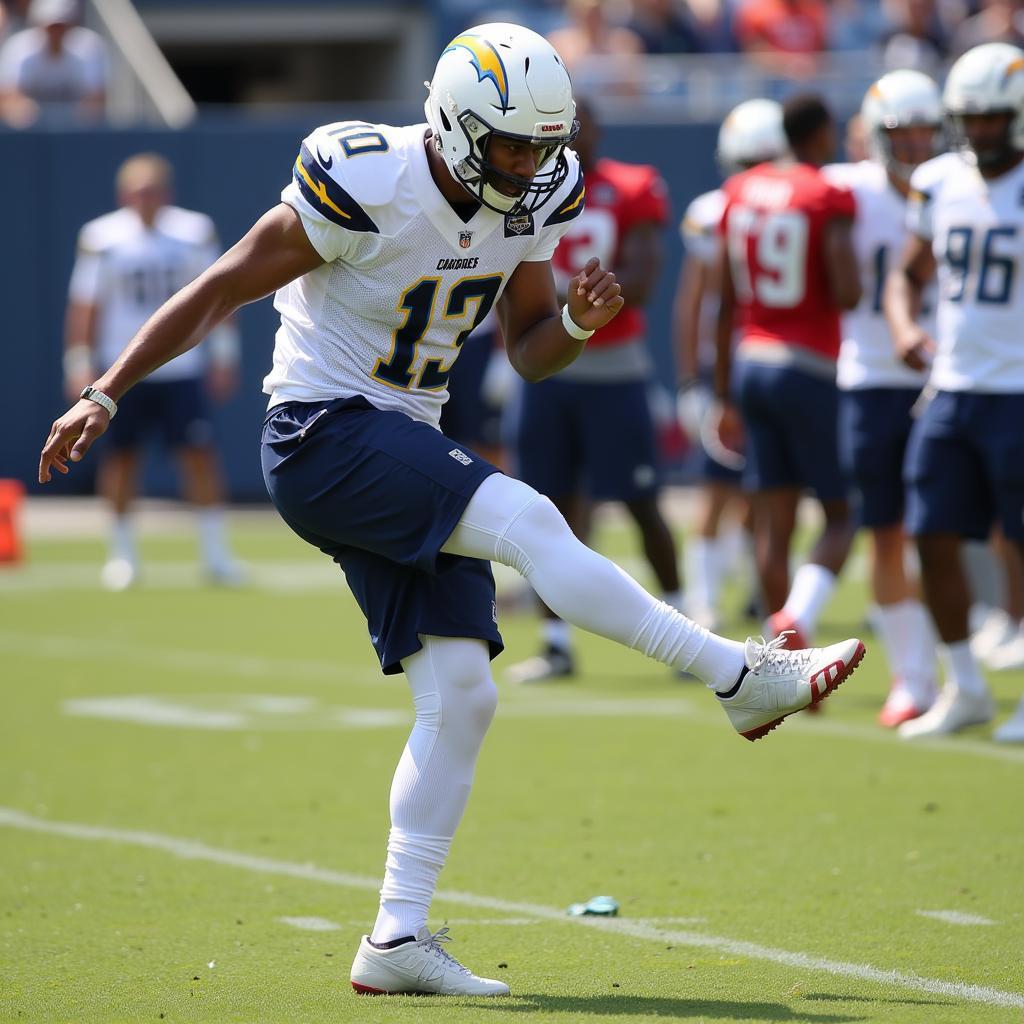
[
  {"x": 780, "y": 682},
  {"x": 997, "y": 628},
  {"x": 1012, "y": 730},
  {"x": 952, "y": 711},
  {"x": 119, "y": 574},
  {"x": 552, "y": 664},
  {"x": 1007, "y": 656},
  {"x": 226, "y": 572},
  {"x": 420, "y": 967}
]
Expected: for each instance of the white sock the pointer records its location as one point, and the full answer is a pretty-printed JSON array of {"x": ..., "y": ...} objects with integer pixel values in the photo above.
[
  {"x": 703, "y": 561},
  {"x": 122, "y": 539},
  {"x": 674, "y": 598},
  {"x": 213, "y": 541},
  {"x": 557, "y": 634},
  {"x": 507, "y": 521},
  {"x": 962, "y": 669},
  {"x": 922, "y": 642},
  {"x": 455, "y": 698},
  {"x": 892, "y": 623},
  {"x": 811, "y": 589}
]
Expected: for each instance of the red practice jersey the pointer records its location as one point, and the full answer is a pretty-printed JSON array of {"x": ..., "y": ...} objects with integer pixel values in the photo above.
[
  {"x": 619, "y": 196},
  {"x": 774, "y": 225}
]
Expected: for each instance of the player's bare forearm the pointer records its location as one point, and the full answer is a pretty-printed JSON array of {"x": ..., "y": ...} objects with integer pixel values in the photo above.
[
  {"x": 723, "y": 332},
  {"x": 274, "y": 252},
  {"x": 901, "y": 302},
  {"x": 536, "y": 340},
  {"x": 841, "y": 264},
  {"x": 686, "y": 317}
]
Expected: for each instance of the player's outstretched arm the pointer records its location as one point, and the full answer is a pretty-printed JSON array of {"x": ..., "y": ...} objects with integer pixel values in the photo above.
[
  {"x": 536, "y": 340},
  {"x": 901, "y": 301},
  {"x": 274, "y": 252}
]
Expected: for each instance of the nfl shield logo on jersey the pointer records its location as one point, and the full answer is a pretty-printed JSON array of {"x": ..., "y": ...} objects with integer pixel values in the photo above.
[{"x": 465, "y": 239}]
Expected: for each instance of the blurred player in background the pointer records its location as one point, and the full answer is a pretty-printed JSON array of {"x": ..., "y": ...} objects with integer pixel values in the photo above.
[
  {"x": 788, "y": 270},
  {"x": 965, "y": 460},
  {"x": 129, "y": 263},
  {"x": 902, "y": 115},
  {"x": 751, "y": 134},
  {"x": 587, "y": 433},
  {"x": 376, "y": 222}
]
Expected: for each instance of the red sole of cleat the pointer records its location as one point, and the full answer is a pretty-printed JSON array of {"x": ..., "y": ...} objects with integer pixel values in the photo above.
[
  {"x": 763, "y": 730},
  {"x": 365, "y": 990}
]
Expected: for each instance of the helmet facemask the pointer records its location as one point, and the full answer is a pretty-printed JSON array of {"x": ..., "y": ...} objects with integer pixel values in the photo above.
[
  {"x": 481, "y": 178},
  {"x": 1001, "y": 151}
]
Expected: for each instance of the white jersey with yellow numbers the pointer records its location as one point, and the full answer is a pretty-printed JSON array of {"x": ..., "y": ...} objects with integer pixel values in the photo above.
[
  {"x": 867, "y": 358},
  {"x": 405, "y": 279},
  {"x": 699, "y": 231},
  {"x": 976, "y": 229},
  {"x": 128, "y": 271}
]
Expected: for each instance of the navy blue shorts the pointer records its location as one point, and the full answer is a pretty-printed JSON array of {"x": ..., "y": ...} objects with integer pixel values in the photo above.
[
  {"x": 791, "y": 423},
  {"x": 176, "y": 411},
  {"x": 467, "y": 416},
  {"x": 381, "y": 493},
  {"x": 874, "y": 426},
  {"x": 713, "y": 471},
  {"x": 964, "y": 467},
  {"x": 593, "y": 438}
]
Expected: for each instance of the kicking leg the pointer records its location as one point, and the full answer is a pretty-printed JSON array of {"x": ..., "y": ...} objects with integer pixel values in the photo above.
[{"x": 509, "y": 522}]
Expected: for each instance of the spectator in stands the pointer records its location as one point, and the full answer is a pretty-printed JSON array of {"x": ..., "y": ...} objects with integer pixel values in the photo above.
[
  {"x": 666, "y": 26},
  {"x": 783, "y": 36},
  {"x": 916, "y": 39},
  {"x": 998, "y": 21},
  {"x": 129, "y": 263},
  {"x": 600, "y": 55},
  {"x": 55, "y": 70},
  {"x": 714, "y": 23}
]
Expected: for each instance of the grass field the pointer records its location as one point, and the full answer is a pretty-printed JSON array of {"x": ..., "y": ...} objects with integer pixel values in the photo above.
[{"x": 191, "y": 780}]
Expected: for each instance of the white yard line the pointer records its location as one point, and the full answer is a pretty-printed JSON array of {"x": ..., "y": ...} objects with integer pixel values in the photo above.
[
  {"x": 515, "y": 702},
  {"x": 955, "y": 917},
  {"x": 189, "y": 849}
]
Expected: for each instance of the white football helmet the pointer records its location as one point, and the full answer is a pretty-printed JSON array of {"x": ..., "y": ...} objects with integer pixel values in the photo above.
[
  {"x": 751, "y": 134},
  {"x": 898, "y": 100},
  {"x": 987, "y": 79},
  {"x": 503, "y": 80}
]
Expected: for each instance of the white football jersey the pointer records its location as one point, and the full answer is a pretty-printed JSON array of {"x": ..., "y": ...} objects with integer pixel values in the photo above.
[
  {"x": 699, "y": 231},
  {"x": 405, "y": 279},
  {"x": 129, "y": 271},
  {"x": 976, "y": 227},
  {"x": 867, "y": 358}
]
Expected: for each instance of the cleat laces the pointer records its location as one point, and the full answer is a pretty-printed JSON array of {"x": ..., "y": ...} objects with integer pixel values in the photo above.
[
  {"x": 775, "y": 657},
  {"x": 434, "y": 944}
]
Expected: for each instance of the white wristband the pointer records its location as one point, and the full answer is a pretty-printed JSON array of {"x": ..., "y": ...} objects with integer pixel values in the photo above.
[
  {"x": 572, "y": 328},
  {"x": 102, "y": 400}
]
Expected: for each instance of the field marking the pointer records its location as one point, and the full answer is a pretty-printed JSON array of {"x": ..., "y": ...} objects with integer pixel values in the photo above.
[
  {"x": 190, "y": 849},
  {"x": 954, "y": 917},
  {"x": 311, "y": 924},
  {"x": 71, "y": 648}
]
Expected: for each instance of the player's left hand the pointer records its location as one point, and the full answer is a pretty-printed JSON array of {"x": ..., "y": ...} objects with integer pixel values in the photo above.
[
  {"x": 594, "y": 296},
  {"x": 71, "y": 437}
]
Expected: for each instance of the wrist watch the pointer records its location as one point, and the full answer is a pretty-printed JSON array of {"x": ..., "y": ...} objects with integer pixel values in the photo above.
[{"x": 97, "y": 396}]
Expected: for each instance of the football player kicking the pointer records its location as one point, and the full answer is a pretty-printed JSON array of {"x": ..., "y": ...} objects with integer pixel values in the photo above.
[
  {"x": 902, "y": 117},
  {"x": 389, "y": 244},
  {"x": 965, "y": 458}
]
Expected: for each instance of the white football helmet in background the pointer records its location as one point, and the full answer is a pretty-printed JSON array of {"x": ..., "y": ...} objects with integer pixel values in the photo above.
[
  {"x": 504, "y": 80},
  {"x": 751, "y": 134},
  {"x": 987, "y": 79},
  {"x": 900, "y": 99}
]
